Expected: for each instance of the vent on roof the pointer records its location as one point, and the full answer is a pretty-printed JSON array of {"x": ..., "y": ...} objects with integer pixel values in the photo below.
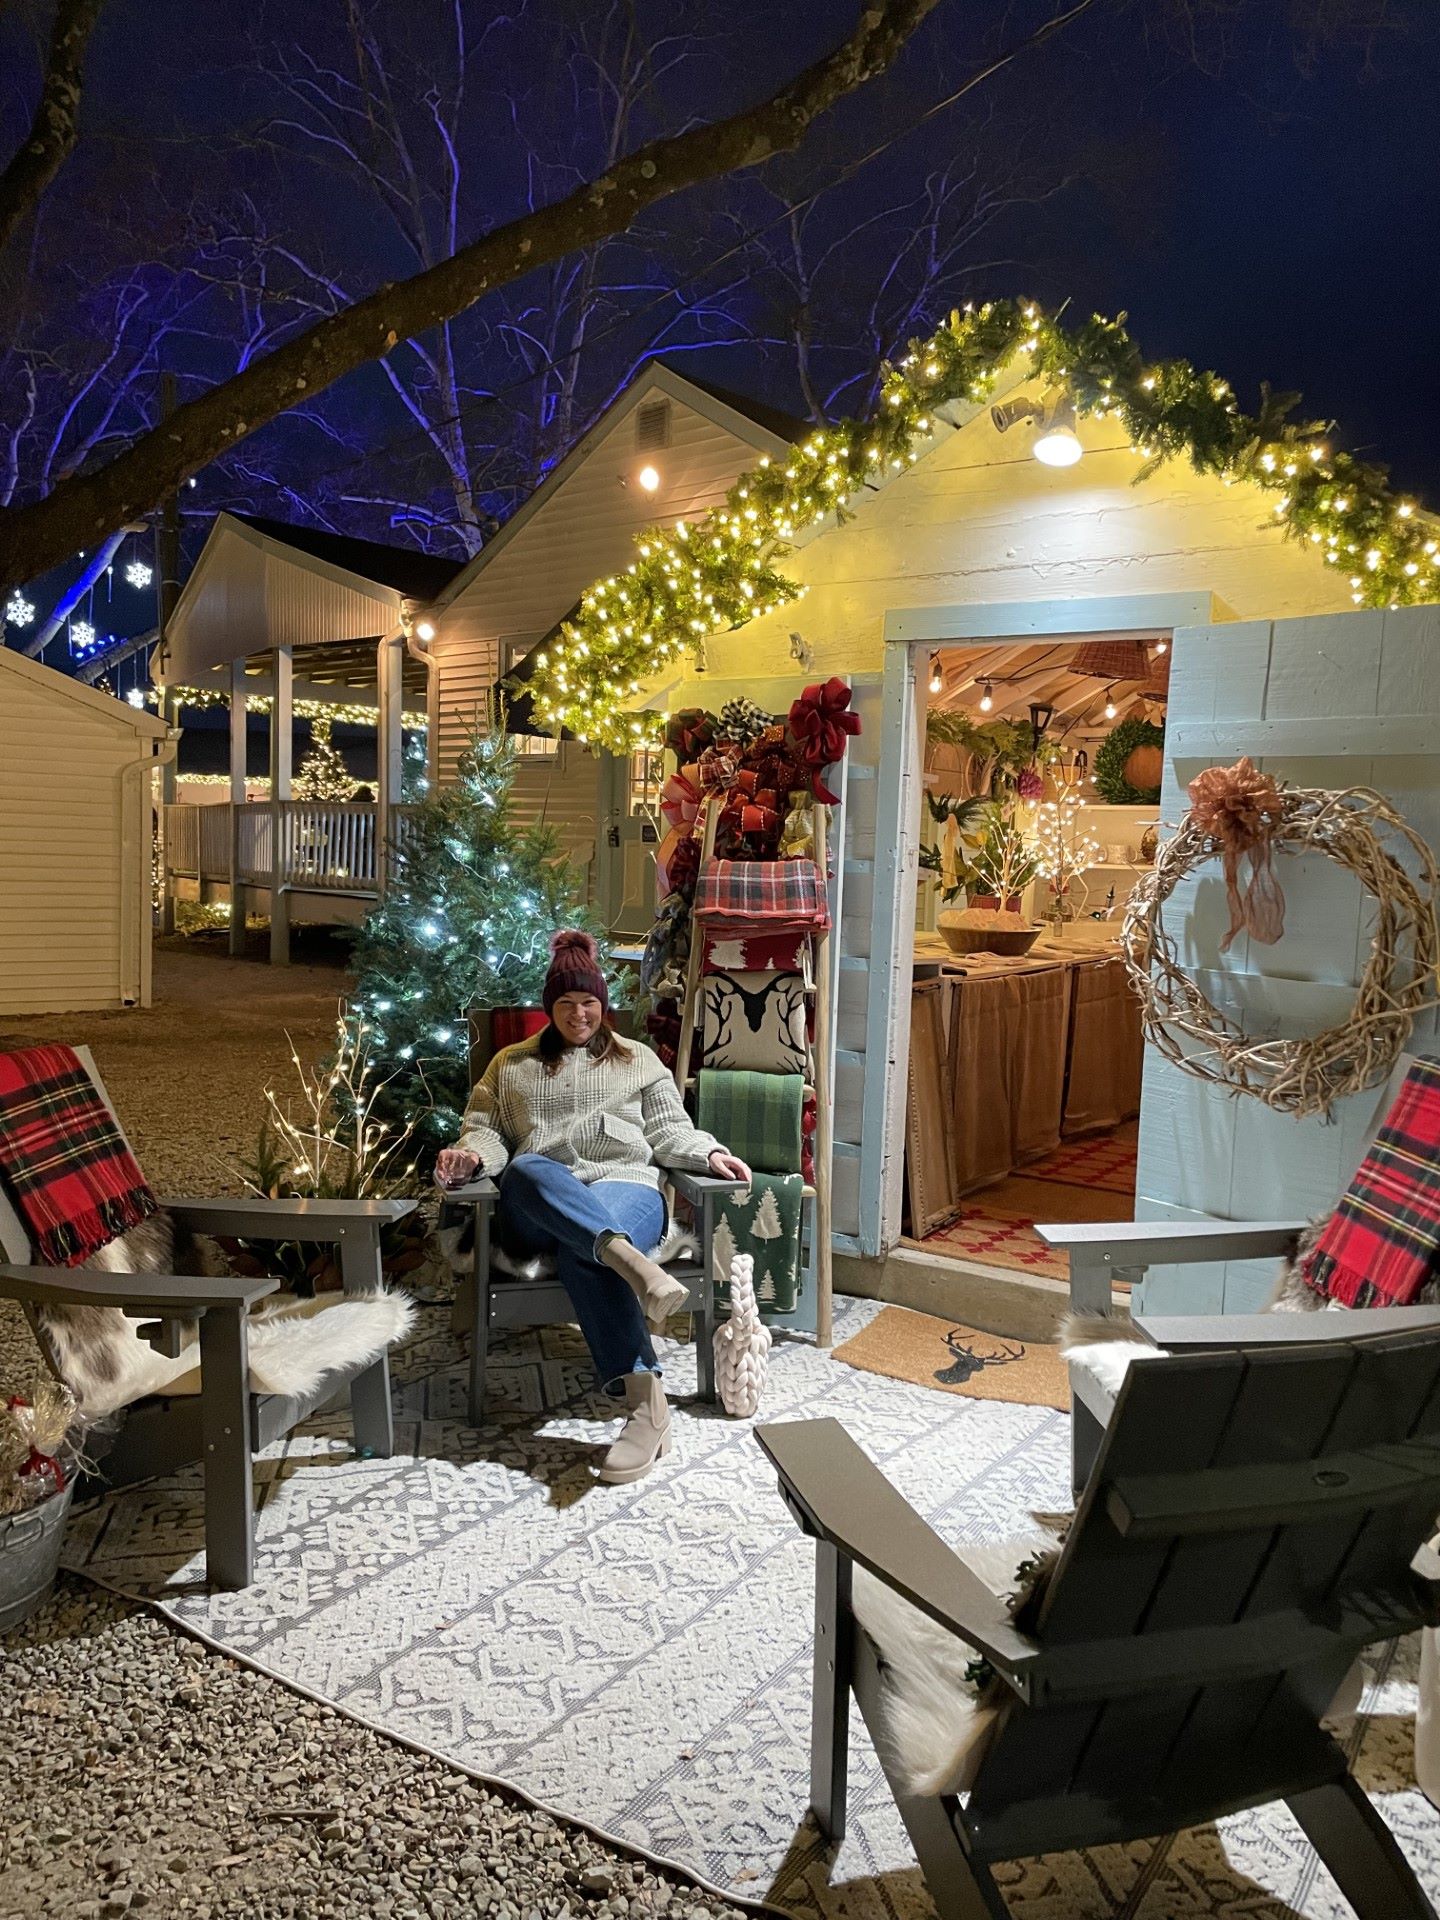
[{"x": 652, "y": 426}]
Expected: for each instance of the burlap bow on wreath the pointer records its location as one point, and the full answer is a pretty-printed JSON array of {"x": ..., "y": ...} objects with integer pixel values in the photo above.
[{"x": 1240, "y": 808}]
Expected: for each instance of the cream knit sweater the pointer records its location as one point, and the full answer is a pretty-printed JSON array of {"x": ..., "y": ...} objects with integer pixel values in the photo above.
[{"x": 606, "y": 1119}]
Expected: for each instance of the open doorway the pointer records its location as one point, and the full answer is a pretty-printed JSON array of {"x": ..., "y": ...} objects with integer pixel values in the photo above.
[{"x": 1039, "y": 809}]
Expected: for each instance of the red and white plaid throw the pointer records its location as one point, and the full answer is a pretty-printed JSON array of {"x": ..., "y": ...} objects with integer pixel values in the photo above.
[
  {"x": 760, "y": 896},
  {"x": 63, "y": 1159},
  {"x": 1379, "y": 1246}
]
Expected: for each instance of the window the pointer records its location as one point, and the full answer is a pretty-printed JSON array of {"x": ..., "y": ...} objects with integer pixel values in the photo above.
[
  {"x": 513, "y": 648},
  {"x": 647, "y": 776}
]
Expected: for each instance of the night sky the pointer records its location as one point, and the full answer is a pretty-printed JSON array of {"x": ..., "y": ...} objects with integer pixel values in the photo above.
[{"x": 1256, "y": 205}]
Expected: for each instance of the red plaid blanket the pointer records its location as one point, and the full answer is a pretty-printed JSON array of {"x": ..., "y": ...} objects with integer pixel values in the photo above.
[
  {"x": 63, "y": 1160},
  {"x": 761, "y": 896},
  {"x": 1379, "y": 1245}
]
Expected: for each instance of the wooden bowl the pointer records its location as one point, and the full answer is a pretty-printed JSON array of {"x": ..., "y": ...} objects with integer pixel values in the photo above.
[{"x": 1010, "y": 941}]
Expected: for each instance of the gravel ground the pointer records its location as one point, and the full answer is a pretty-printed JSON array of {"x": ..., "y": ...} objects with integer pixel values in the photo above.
[{"x": 144, "y": 1772}]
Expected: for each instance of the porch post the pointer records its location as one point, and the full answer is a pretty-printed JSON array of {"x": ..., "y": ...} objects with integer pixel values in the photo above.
[
  {"x": 237, "y": 800},
  {"x": 282, "y": 751},
  {"x": 389, "y": 746}
]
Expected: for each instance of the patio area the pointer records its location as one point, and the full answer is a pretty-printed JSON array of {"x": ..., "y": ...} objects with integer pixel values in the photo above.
[{"x": 455, "y": 1661}]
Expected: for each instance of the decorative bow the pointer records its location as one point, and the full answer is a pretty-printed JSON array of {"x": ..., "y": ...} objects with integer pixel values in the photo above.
[
  {"x": 689, "y": 732},
  {"x": 1241, "y": 808},
  {"x": 821, "y": 722},
  {"x": 717, "y": 769},
  {"x": 680, "y": 798}
]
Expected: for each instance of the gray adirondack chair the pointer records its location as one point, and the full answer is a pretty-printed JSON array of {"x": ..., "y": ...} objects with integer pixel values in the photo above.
[
  {"x": 225, "y": 1422},
  {"x": 1248, "y": 1528},
  {"x": 497, "y": 1300}
]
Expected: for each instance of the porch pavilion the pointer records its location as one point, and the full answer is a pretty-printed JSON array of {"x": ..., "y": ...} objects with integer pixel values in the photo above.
[{"x": 295, "y": 621}]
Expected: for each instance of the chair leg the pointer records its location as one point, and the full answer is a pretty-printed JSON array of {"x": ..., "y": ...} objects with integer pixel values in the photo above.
[
  {"x": 480, "y": 1321},
  {"x": 962, "y": 1888},
  {"x": 1360, "y": 1851},
  {"x": 372, "y": 1417},
  {"x": 1086, "y": 1433},
  {"x": 830, "y": 1699},
  {"x": 225, "y": 1437}
]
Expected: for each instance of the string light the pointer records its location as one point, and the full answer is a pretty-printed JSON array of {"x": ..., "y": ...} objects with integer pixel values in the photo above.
[
  {"x": 714, "y": 575},
  {"x": 1161, "y": 646},
  {"x": 1110, "y": 707},
  {"x": 347, "y": 713},
  {"x": 987, "y": 697},
  {"x": 937, "y": 679}
]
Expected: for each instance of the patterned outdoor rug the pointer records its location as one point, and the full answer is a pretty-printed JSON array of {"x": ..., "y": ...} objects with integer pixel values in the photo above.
[
  {"x": 638, "y": 1658},
  {"x": 930, "y": 1352}
]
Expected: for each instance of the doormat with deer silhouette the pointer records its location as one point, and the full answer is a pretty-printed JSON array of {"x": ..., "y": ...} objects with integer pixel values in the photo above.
[{"x": 929, "y": 1352}]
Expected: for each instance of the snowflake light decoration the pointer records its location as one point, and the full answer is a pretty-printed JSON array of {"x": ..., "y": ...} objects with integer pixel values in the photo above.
[
  {"x": 82, "y": 634},
  {"x": 139, "y": 574},
  {"x": 19, "y": 611}
]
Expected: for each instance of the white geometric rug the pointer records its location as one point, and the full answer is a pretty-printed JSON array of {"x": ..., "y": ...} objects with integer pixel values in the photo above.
[{"x": 638, "y": 1658}]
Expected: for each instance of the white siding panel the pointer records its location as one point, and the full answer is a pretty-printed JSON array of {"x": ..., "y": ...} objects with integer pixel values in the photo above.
[
  {"x": 65, "y": 918},
  {"x": 562, "y": 791}
]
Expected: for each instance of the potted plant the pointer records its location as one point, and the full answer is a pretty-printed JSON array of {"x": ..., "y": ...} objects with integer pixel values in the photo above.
[{"x": 39, "y": 1453}]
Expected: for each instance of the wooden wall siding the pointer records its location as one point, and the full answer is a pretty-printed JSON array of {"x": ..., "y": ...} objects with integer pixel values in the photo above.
[
  {"x": 74, "y": 925},
  {"x": 243, "y": 598},
  {"x": 585, "y": 530},
  {"x": 977, "y": 520},
  {"x": 562, "y": 789},
  {"x": 1201, "y": 1152}
]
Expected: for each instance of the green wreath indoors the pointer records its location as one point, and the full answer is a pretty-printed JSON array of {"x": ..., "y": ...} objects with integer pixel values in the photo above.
[{"x": 1112, "y": 757}]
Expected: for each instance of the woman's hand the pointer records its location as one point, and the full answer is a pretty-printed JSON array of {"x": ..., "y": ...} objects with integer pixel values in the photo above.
[
  {"x": 725, "y": 1166},
  {"x": 455, "y": 1165}
]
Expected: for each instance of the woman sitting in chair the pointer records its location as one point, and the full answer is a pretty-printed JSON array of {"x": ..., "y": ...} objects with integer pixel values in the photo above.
[{"x": 581, "y": 1122}]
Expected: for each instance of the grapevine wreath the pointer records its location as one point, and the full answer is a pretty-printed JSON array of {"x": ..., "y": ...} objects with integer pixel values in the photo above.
[{"x": 1238, "y": 815}]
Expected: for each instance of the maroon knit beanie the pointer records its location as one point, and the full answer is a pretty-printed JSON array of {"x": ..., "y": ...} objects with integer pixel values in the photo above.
[{"x": 574, "y": 968}]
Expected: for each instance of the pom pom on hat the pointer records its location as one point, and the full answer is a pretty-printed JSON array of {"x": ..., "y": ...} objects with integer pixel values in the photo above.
[{"x": 574, "y": 968}]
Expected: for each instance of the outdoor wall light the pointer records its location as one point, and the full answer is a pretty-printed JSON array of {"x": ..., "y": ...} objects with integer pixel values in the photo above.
[
  {"x": 425, "y": 630},
  {"x": 1056, "y": 443},
  {"x": 987, "y": 698},
  {"x": 937, "y": 679},
  {"x": 649, "y": 478}
]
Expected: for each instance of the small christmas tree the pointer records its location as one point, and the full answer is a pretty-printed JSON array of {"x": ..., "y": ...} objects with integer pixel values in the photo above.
[
  {"x": 322, "y": 774},
  {"x": 466, "y": 923}
]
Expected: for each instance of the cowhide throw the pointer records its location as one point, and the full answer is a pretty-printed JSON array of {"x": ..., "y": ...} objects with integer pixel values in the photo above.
[{"x": 99, "y": 1353}]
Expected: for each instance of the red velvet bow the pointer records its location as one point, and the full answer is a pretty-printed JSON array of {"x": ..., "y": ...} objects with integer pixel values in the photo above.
[
  {"x": 822, "y": 722},
  {"x": 689, "y": 732}
]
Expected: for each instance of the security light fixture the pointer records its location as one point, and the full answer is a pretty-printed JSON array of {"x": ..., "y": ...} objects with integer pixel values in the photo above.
[
  {"x": 425, "y": 630},
  {"x": 649, "y": 478},
  {"x": 1056, "y": 443}
]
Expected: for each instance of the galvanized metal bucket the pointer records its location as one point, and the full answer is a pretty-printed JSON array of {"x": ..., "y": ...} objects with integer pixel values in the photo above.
[{"x": 29, "y": 1554}]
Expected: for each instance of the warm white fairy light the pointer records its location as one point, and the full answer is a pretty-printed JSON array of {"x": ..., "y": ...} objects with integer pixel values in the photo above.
[{"x": 1065, "y": 850}]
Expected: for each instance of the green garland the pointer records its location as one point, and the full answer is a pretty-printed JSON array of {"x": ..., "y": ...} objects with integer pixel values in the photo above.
[
  {"x": 1110, "y": 757},
  {"x": 693, "y": 580}
]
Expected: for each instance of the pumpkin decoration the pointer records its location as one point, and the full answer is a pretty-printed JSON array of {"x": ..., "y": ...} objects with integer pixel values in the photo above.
[{"x": 1130, "y": 763}]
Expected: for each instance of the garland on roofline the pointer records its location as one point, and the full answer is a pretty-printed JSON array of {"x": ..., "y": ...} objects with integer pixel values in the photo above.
[{"x": 719, "y": 572}]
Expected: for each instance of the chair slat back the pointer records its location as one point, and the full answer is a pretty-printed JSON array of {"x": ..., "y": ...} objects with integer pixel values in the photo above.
[{"x": 1261, "y": 1570}]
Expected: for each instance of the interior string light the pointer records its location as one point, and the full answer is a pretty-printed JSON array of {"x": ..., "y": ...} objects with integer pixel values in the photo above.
[
  {"x": 987, "y": 697},
  {"x": 937, "y": 679},
  {"x": 1110, "y": 708}
]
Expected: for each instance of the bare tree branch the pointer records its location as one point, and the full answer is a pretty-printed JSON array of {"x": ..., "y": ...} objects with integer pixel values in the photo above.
[
  {"x": 56, "y": 126},
  {"x": 88, "y": 506}
]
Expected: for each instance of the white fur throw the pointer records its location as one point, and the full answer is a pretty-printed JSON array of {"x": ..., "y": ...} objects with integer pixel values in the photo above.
[
  {"x": 1104, "y": 1348},
  {"x": 742, "y": 1345},
  {"x": 935, "y": 1724},
  {"x": 293, "y": 1346}
]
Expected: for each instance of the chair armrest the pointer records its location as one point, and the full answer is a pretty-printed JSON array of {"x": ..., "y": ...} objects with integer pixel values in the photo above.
[
  {"x": 695, "y": 1186},
  {"x": 1129, "y": 1244},
  {"x": 837, "y": 1493},
  {"x": 318, "y": 1220},
  {"x": 154, "y": 1293},
  {"x": 473, "y": 1193},
  {"x": 1199, "y": 1333}
]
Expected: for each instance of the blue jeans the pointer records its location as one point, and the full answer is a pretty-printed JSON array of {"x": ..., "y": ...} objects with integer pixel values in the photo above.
[{"x": 545, "y": 1208}]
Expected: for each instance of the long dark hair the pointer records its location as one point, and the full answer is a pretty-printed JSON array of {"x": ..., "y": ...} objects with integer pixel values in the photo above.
[{"x": 605, "y": 1044}]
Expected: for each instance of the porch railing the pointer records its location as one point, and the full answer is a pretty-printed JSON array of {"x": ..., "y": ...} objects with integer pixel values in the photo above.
[{"x": 325, "y": 846}]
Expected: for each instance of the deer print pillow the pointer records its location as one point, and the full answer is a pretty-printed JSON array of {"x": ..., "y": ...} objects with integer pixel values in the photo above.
[{"x": 753, "y": 1022}]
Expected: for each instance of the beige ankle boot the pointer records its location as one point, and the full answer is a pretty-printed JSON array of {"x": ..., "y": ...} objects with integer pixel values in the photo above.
[
  {"x": 658, "y": 1294},
  {"x": 645, "y": 1436}
]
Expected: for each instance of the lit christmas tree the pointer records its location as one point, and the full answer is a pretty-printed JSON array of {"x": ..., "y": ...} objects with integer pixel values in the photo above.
[
  {"x": 322, "y": 774},
  {"x": 466, "y": 923}
]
